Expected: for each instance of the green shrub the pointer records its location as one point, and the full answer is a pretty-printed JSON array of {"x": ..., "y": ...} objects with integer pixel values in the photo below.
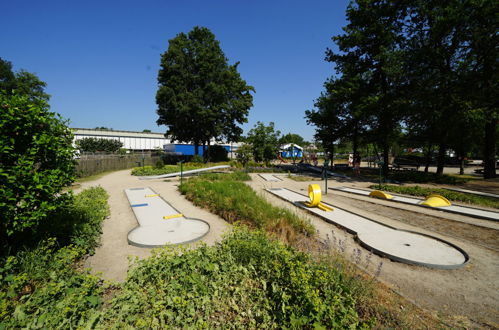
[
  {"x": 97, "y": 144},
  {"x": 246, "y": 281},
  {"x": 197, "y": 159},
  {"x": 237, "y": 202},
  {"x": 36, "y": 157},
  {"x": 217, "y": 153},
  {"x": 42, "y": 287}
]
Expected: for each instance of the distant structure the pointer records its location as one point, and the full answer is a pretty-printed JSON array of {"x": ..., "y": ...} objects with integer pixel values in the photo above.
[
  {"x": 291, "y": 150},
  {"x": 147, "y": 141},
  {"x": 133, "y": 141}
]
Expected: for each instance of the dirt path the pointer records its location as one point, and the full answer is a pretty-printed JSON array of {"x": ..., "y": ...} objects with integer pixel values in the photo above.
[
  {"x": 111, "y": 257},
  {"x": 472, "y": 291}
]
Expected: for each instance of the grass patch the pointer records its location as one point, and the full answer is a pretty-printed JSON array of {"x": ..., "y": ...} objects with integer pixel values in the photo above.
[
  {"x": 167, "y": 169},
  {"x": 246, "y": 281},
  {"x": 235, "y": 201},
  {"x": 42, "y": 287},
  {"x": 422, "y": 177},
  {"x": 449, "y": 194}
]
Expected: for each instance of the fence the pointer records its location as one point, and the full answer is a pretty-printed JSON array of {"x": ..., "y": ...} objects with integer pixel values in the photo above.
[{"x": 90, "y": 164}]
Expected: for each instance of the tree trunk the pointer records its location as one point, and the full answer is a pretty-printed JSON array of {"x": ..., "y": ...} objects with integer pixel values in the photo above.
[
  {"x": 386, "y": 154},
  {"x": 355, "y": 139},
  {"x": 461, "y": 166},
  {"x": 441, "y": 159},
  {"x": 196, "y": 148},
  {"x": 489, "y": 152},
  {"x": 428, "y": 157}
]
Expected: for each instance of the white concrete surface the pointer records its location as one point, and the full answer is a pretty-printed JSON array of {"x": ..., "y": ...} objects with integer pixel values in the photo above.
[
  {"x": 469, "y": 211},
  {"x": 269, "y": 177},
  {"x": 153, "y": 230},
  {"x": 398, "y": 245},
  {"x": 171, "y": 175},
  {"x": 473, "y": 192}
]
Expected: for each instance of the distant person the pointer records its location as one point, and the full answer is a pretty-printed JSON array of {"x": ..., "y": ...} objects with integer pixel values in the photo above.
[{"x": 356, "y": 163}]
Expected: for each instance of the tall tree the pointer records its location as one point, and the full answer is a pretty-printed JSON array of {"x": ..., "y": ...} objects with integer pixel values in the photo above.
[
  {"x": 292, "y": 138},
  {"x": 264, "y": 141},
  {"x": 200, "y": 96},
  {"x": 22, "y": 82}
]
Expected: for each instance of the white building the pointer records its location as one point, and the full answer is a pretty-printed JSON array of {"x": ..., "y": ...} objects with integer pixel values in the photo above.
[{"x": 130, "y": 140}]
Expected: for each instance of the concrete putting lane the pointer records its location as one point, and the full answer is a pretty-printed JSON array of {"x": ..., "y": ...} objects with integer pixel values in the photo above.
[
  {"x": 398, "y": 245},
  {"x": 469, "y": 211},
  {"x": 159, "y": 223}
]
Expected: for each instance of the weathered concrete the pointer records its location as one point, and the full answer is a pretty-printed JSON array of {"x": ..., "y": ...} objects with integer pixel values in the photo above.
[
  {"x": 159, "y": 223},
  {"x": 396, "y": 244},
  {"x": 469, "y": 211}
]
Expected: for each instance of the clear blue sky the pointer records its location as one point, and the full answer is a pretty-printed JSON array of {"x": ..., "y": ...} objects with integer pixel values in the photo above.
[{"x": 100, "y": 59}]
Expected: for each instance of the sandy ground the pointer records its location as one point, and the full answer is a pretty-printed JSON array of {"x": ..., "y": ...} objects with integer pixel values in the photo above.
[
  {"x": 472, "y": 291},
  {"x": 111, "y": 257}
]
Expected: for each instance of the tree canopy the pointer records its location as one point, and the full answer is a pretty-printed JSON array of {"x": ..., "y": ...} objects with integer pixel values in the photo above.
[
  {"x": 423, "y": 72},
  {"x": 264, "y": 141},
  {"x": 201, "y": 96}
]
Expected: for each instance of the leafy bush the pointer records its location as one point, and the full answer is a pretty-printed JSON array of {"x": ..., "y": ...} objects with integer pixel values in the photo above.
[
  {"x": 237, "y": 202},
  {"x": 246, "y": 281},
  {"x": 95, "y": 144},
  {"x": 217, "y": 153},
  {"x": 36, "y": 158},
  {"x": 449, "y": 194},
  {"x": 197, "y": 159},
  {"x": 167, "y": 169},
  {"x": 42, "y": 287}
]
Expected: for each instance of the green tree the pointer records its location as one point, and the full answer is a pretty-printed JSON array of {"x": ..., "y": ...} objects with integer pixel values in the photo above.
[
  {"x": 244, "y": 154},
  {"x": 292, "y": 138},
  {"x": 22, "y": 83},
  {"x": 200, "y": 96},
  {"x": 264, "y": 141},
  {"x": 36, "y": 162},
  {"x": 95, "y": 144}
]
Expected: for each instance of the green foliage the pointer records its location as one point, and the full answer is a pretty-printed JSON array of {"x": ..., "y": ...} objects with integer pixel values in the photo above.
[
  {"x": 96, "y": 144},
  {"x": 264, "y": 141},
  {"x": 197, "y": 159},
  {"x": 246, "y": 281},
  {"x": 36, "y": 157},
  {"x": 42, "y": 287},
  {"x": 422, "y": 177},
  {"x": 237, "y": 202},
  {"x": 167, "y": 169},
  {"x": 292, "y": 138},
  {"x": 200, "y": 96},
  {"x": 217, "y": 153},
  {"x": 244, "y": 154},
  {"x": 449, "y": 194}
]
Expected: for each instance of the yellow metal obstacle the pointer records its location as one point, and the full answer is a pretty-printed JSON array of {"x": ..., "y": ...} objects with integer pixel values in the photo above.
[
  {"x": 380, "y": 194},
  {"x": 152, "y": 195},
  {"x": 436, "y": 201},
  {"x": 314, "y": 193},
  {"x": 179, "y": 215}
]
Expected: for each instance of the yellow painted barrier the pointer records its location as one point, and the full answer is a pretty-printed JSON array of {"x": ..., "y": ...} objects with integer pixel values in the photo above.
[
  {"x": 436, "y": 201},
  {"x": 380, "y": 194},
  {"x": 166, "y": 217},
  {"x": 154, "y": 195},
  {"x": 315, "y": 194}
]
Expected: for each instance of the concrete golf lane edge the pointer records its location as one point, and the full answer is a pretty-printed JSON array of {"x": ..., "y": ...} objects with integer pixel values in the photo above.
[
  {"x": 396, "y": 244},
  {"x": 154, "y": 230}
]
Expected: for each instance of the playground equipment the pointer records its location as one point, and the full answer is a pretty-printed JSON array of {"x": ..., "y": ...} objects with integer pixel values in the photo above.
[
  {"x": 396, "y": 244},
  {"x": 159, "y": 223},
  {"x": 437, "y": 203},
  {"x": 434, "y": 200},
  {"x": 380, "y": 194},
  {"x": 170, "y": 175},
  {"x": 315, "y": 195}
]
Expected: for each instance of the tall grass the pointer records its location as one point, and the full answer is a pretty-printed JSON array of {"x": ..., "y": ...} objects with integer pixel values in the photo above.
[{"x": 233, "y": 200}]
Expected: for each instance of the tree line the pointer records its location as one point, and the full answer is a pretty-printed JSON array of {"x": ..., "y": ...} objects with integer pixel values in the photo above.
[{"x": 422, "y": 73}]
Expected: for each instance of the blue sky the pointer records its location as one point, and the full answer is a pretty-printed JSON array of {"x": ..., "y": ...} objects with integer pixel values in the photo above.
[{"x": 100, "y": 59}]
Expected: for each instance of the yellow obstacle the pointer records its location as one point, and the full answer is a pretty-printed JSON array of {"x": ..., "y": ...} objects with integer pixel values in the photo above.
[
  {"x": 154, "y": 195},
  {"x": 314, "y": 193},
  {"x": 436, "y": 201},
  {"x": 380, "y": 194},
  {"x": 166, "y": 217}
]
